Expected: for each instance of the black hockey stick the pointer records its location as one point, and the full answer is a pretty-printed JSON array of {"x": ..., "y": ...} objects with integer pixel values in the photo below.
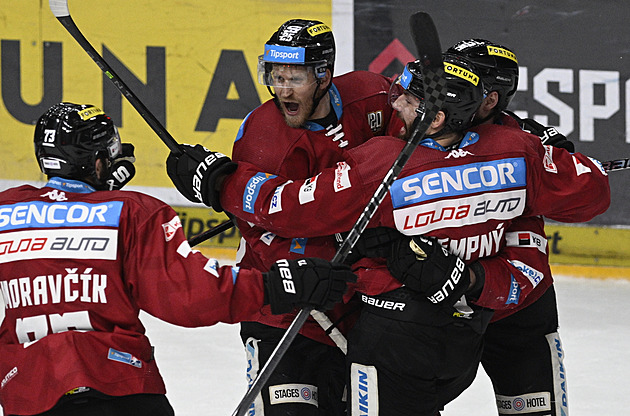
[
  {"x": 611, "y": 165},
  {"x": 60, "y": 9},
  {"x": 208, "y": 234},
  {"x": 427, "y": 42}
]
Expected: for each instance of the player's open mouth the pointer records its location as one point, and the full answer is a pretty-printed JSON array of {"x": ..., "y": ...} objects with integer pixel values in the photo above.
[{"x": 291, "y": 108}]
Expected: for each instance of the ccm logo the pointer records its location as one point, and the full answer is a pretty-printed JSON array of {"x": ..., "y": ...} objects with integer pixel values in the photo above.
[{"x": 285, "y": 273}]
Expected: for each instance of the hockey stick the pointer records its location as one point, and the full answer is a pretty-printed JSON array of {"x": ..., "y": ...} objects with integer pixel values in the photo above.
[
  {"x": 427, "y": 42},
  {"x": 60, "y": 9},
  {"x": 611, "y": 165},
  {"x": 615, "y": 165},
  {"x": 208, "y": 234}
]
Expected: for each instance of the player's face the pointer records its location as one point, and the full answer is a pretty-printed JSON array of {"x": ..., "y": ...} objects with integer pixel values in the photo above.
[
  {"x": 406, "y": 105},
  {"x": 295, "y": 89}
]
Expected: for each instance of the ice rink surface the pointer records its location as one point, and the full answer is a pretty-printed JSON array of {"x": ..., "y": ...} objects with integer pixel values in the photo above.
[{"x": 204, "y": 368}]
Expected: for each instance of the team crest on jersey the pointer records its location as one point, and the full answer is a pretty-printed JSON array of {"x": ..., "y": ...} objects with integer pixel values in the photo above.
[
  {"x": 375, "y": 120},
  {"x": 171, "y": 227}
]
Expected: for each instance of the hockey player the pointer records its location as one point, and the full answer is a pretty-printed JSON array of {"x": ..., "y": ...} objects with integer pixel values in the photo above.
[
  {"x": 410, "y": 353},
  {"x": 78, "y": 262},
  {"x": 523, "y": 355},
  {"x": 311, "y": 119}
]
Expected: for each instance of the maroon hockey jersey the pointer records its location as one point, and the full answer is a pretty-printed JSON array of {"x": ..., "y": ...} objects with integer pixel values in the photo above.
[
  {"x": 359, "y": 100},
  {"x": 76, "y": 267},
  {"x": 466, "y": 197}
]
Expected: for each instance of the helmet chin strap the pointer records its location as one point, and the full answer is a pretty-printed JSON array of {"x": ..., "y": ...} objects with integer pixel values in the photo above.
[{"x": 317, "y": 100}]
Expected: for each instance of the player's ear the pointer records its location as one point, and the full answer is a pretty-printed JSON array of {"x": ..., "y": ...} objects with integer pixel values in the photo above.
[{"x": 438, "y": 121}]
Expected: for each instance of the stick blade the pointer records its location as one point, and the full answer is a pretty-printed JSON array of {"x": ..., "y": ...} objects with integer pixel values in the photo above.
[
  {"x": 426, "y": 38},
  {"x": 59, "y": 8}
]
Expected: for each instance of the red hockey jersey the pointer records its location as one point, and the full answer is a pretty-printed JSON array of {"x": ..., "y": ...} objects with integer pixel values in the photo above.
[
  {"x": 76, "y": 267},
  {"x": 467, "y": 198},
  {"x": 359, "y": 100}
]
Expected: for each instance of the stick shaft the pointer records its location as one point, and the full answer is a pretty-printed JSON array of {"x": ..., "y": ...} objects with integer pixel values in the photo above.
[{"x": 60, "y": 10}]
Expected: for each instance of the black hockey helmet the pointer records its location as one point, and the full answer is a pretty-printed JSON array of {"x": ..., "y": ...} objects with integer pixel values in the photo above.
[
  {"x": 497, "y": 65},
  {"x": 69, "y": 138},
  {"x": 464, "y": 91},
  {"x": 299, "y": 42}
]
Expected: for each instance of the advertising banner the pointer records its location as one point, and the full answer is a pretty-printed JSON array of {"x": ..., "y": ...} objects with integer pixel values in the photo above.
[{"x": 573, "y": 57}]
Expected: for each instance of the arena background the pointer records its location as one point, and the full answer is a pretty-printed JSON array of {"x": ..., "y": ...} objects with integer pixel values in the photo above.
[{"x": 193, "y": 64}]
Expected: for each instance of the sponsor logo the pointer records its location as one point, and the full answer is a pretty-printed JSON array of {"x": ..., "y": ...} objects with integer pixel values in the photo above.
[
  {"x": 276, "y": 201},
  {"x": 548, "y": 160},
  {"x": 55, "y": 195},
  {"x": 171, "y": 227},
  {"x": 252, "y": 189},
  {"x": 37, "y": 214},
  {"x": 559, "y": 374},
  {"x": 532, "y": 274},
  {"x": 457, "y": 153},
  {"x": 123, "y": 357},
  {"x": 364, "y": 390},
  {"x": 12, "y": 373},
  {"x": 526, "y": 239},
  {"x": 496, "y": 51},
  {"x": 298, "y": 245},
  {"x": 383, "y": 304},
  {"x": 421, "y": 219},
  {"x": 284, "y": 54},
  {"x": 524, "y": 404},
  {"x": 515, "y": 292},
  {"x": 342, "y": 177},
  {"x": 579, "y": 167},
  {"x": 80, "y": 243},
  {"x": 285, "y": 274},
  {"x": 375, "y": 120},
  {"x": 307, "y": 190},
  {"x": 88, "y": 113},
  {"x": 449, "y": 286},
  {"x": 319, "y": 29},
  {"x": 611, "y": 165},
  {"x": 293, "y": 393},
  {"x": 460, "y": 72},
  {"x": 459, "y": 180}
]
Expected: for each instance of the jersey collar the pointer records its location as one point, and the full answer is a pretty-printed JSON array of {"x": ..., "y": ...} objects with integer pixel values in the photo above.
[
  {"x": 469, "y": 138},
  {"x": 69, "y": 185}
]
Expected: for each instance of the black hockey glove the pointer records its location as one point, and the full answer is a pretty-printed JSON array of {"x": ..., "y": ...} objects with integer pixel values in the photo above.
[
  {"x": 423, "y": 265},
  {"x": 312, "y": 282},
  {"x": 374, "y": 242},
  {"x": 548, "y": 135},
  {"x": 196, "y": 171},
  {"x": 122, "y": 170}
]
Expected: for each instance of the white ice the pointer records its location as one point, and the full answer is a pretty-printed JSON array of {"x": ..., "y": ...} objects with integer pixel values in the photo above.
[{"x": 204, "y": 368}]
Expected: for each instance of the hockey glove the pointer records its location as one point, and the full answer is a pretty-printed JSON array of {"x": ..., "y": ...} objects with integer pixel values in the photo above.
[
  {"x": 374, "y": 242},
  {"x": 122, "y": 171},
  {"x": 423, "y": 265},
  {"x": 311, "y": 282},
  {"x": 548, "y": 135},
  {"x": 196, "y": 171}
]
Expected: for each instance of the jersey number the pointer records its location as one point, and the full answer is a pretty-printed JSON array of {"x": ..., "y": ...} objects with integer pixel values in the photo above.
[{"x": 34, "y": 328}]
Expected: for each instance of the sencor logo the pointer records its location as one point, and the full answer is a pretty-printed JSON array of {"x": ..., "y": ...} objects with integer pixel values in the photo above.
[{"x": 459, "y": 180}]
